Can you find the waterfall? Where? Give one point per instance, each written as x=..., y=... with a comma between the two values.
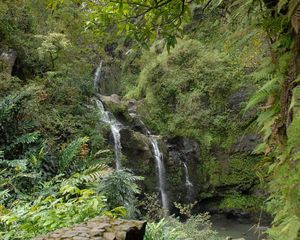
x=115, y=129
x=109, y=119
x=115, y=126
x=159, y=164
x=161, y=172
x=98, y=75
x=188, y=183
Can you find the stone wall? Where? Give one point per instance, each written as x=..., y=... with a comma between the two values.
x=100, y=228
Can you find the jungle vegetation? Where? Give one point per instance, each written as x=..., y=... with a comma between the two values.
x=55, y=160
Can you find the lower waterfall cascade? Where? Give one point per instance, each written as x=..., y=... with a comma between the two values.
x=161, y=172
x=188, y=182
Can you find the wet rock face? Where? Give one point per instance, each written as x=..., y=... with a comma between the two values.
x=8, y=58
x=139, y=157
x=178, y=151
x=235, y=100
x=183, y=149
x=136, y=146
x=118, y=108
x=100, y=228
x=247, y=143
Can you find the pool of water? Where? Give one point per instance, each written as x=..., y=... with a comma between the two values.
x=235, y=229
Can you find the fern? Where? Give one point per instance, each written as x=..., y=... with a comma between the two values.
x=90, y=175
x=10, y=105
x=120, y=187
x=70, y=152
x=17, y=164
x=270, y=88
x=95, y=173
x=25, y=139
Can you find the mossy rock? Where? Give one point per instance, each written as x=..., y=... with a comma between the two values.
x=239, y=201
x=237, y=173
x=117, y=107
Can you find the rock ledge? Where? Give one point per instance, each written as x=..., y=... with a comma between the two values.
x=100, y=228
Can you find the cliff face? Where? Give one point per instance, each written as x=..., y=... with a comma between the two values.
x=219, y=179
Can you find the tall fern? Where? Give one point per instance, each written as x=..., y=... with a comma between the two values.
x=68, y=158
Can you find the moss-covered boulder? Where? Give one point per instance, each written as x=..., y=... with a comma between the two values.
x=136, y=148
x=117, y=107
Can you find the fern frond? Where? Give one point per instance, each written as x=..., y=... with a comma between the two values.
x=70, y=152
x=266, y=120
x=28, y=138
x=293, y=5
x=25, y=139
x=281, y=4
x=92, y=174
x=20, y=164
x=11, y=105
x=4, y=195
x=95, y=173
x=270, y=88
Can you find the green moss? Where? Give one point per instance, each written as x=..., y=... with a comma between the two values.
x=238, y=201
x=238, y=172
x=175, y=176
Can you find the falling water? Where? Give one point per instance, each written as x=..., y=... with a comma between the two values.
x=161, y=172
x=115, y=128
x=109, y=119
x=98, y=75
x=188, y=183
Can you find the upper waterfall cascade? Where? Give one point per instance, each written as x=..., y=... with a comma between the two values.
x=109, y=119
x=115, y=127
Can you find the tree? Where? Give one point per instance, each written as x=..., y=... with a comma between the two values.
x=52, y=46
x=144, y=20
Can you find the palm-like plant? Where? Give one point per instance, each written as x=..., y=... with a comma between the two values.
x=120, y=187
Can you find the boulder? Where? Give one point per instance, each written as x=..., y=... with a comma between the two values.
x=136, y=146
x=112, y=99
x=103, y=228
x=118, y=108
x=8, y=57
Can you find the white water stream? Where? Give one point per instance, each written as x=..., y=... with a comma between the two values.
x=161, y=172
x=110, y=120
x=188, y=182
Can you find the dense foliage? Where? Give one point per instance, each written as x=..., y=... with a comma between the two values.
x=203, y=60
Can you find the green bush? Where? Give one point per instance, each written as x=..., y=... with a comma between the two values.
x=186, y=93
x=195, y=228
x=238, y=201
